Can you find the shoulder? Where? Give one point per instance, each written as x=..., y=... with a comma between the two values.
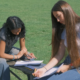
x=3, y=33
x=63, y=35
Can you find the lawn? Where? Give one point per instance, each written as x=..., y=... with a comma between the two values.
x=36, y=16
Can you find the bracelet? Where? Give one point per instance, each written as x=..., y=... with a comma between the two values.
x=71, y=65
x=45, y=68
x=13, y=57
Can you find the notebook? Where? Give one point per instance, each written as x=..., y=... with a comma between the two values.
x=24, y=63
x=49, y=72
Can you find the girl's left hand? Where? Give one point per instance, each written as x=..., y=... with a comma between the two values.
x=63, y=68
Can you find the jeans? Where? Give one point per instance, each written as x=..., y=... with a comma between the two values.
x=68, y=75
x=4, y=67
x=4, y=70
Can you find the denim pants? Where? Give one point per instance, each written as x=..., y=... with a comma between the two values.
x=68, y=75
x=4, y=70
x=4, y=67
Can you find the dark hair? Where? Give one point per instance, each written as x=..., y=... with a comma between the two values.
x=12, y=23
x=71, y=19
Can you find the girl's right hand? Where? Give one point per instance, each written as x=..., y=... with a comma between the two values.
x=20, y=54
x=39, y=72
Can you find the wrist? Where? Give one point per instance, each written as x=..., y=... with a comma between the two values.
x=71, y=65
x=22, y=51
x=45, y=69
x=13, y=57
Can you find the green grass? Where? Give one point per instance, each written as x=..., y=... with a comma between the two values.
x=36, y=16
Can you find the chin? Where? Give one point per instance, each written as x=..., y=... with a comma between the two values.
x=16, y=34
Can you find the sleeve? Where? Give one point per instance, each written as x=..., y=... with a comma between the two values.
x=78, y=30
x=22, y=35
x=63, y=35
x=67, y=60
x=3, y=35
x=78, y=34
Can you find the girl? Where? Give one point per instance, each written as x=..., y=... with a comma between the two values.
x=65, y=34
x=11, y=31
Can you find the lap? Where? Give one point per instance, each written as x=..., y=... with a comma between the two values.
x=69, y=75
x=2, y=60
x=14, y=51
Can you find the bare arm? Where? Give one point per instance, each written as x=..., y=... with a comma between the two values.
x=53, y=61
x=57, y=57
x=5, y=55
x=22, y=45
x=24, y=50
x=2, y=51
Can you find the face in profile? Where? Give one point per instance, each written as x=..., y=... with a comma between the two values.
x=16, y=31
x=59, y=16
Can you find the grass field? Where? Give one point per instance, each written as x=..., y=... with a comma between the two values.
x=36, y=16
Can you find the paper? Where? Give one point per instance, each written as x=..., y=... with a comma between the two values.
x=35, y=66
x=49, y=72
x=23, y=63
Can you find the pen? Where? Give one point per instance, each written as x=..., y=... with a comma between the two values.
x=34, y=71
x=28, y=55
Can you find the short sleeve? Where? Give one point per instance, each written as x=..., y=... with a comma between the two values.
x=3, y=35
x=63, y=35
x=22, y=35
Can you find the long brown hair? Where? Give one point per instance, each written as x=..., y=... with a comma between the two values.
x=71, y=19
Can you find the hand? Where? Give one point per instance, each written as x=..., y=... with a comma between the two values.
x=63, y=68
x=30, y=56
x=39, y=72
x=20, y=54
x=24, y=50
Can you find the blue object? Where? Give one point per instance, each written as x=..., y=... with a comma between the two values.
x=69, y=75
x=4, y=70
x=13, y=57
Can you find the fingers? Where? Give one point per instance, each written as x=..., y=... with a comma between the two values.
x=29, y=56
x=58, y=71
x=33, y=56
x=36, y=74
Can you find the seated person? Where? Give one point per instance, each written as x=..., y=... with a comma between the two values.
x=12, y=31
x=65, y=35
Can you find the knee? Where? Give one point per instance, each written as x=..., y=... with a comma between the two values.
x=1, y=66
x=3, y=62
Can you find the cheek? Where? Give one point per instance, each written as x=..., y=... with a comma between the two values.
x=62, y=18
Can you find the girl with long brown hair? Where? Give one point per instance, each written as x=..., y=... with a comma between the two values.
x=65, y=34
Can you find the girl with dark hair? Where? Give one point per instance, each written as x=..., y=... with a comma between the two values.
x=12, y=31
x=65, y=34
